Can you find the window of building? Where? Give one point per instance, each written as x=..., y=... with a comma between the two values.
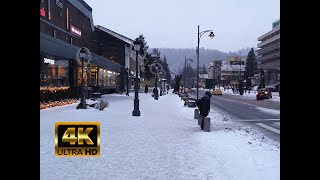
x=107, y=78
x=54, y=73
x=67, y=17
x=49, y=9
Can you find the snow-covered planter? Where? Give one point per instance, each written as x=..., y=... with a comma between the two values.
x=101, y=104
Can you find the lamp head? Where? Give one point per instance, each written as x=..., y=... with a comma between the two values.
x=211, y=35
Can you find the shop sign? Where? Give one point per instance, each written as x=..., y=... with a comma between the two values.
x=49, y=61
x=42, y=12
x=59, y=3
x=75, y=31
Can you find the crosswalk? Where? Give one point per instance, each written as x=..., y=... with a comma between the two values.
x=269, y=124
x=268, y=127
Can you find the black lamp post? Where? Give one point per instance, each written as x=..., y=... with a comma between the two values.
x=127, y=81
x=83, y=100
x=136, y=111
x=185, y=68
x=156, y=84
x=211, y=35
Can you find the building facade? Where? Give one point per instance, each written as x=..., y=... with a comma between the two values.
x=214, y=72
x=232, y=70
x=65, y=27
x=268, y=54
x=119, y=49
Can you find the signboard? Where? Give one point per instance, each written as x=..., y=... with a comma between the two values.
x=49, y=61
x=276, y=24
x=42, y=12
x=58, y=3
x=75, y=31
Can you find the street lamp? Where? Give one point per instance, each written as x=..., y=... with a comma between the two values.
x=136, y=111
x=127, y=80
x=82, y=55
x=185, y=68
x=211, y=35
x=240, y=81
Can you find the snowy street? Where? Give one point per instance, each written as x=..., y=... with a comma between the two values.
x=165, y=142
x=263, y=115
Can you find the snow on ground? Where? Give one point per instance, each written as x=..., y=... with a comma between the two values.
x=270, y=111
x=165, y=142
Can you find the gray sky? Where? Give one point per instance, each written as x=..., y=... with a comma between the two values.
x=173, y=23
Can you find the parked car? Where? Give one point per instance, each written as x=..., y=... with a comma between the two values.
x=263, y=93
x=217, y=92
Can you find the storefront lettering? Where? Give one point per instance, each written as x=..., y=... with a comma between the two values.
x=50, y=61
x=75, y=31
x=59, y=3
x=42, y=12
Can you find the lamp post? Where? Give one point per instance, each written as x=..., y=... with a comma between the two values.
x=211, y=35
x=136, y=111
x=156, y=84
x=127, y=81
x=185, y=68
x=83, y=101
x=240, y=81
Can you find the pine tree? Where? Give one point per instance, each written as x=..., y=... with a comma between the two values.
x=204, y=70
x=250, y=66
x=166, y=69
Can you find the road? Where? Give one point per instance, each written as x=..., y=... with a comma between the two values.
x=261, y=115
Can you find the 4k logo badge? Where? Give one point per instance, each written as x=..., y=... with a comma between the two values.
x=77, y=139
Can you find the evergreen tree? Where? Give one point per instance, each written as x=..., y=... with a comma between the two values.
x=204, y=70
x=144, y=47
x=166, y=69
x=190, y=74
x=251, y=66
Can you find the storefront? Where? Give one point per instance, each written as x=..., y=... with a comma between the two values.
x=61, y=75
x=54, y=78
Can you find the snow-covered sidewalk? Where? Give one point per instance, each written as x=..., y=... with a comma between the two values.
x=165, y=142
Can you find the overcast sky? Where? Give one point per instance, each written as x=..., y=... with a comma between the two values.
x=173, y=23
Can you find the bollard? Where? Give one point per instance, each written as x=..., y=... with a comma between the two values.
x=206, y=126
x=196, y=114
x=200, y=118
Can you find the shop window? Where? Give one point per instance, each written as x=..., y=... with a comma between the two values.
x=67, y=17
x=54, y=72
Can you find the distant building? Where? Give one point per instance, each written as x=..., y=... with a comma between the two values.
x=214, y=71
x=268, y=54
x=230, y=70
x=236, y=60
x=202, y=80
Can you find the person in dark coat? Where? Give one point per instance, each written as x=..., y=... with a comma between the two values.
x=146, y=88
x=204, y=106
x=155, y=92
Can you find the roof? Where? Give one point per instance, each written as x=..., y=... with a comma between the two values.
x=114, y=34
x=226, y=67
x=203, y=76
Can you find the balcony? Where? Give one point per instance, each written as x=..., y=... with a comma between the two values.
x=268, y=49
x=268, y=41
